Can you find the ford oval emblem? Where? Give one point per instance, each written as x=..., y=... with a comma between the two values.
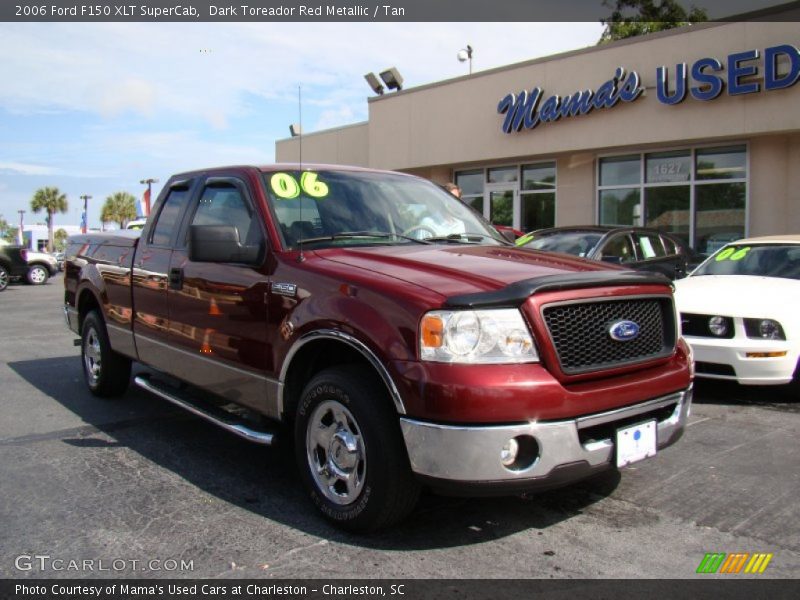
x=624, y=331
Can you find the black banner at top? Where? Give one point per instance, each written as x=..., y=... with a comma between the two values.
x=361, y=10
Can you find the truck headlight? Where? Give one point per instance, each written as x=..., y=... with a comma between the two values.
x=476, y=337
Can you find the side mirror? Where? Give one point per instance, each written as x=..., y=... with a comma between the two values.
x=220, y=243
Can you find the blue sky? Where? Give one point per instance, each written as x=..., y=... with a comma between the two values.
x=95, y=108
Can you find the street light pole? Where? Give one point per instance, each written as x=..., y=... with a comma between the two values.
x=85, y=220
x=20, y=237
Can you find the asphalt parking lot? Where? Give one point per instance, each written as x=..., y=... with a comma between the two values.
x=136, y=480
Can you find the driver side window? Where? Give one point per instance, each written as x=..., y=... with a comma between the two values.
x=621, y=246
x=224, y=205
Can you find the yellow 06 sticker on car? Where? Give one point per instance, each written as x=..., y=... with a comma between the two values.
x=287, y=187
x=733, y=254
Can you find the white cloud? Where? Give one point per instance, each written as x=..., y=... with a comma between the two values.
x=207, y=70
x=28, y=169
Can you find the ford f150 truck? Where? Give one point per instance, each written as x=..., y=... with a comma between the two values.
x=386, y=329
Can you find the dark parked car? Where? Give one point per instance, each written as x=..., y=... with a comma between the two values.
x=18, y=262
x=12, y=264
x=634, y=247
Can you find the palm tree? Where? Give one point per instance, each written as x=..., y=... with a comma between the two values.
x=50, y=200
x=119, y=207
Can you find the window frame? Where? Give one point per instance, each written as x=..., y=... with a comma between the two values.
x=693, y=182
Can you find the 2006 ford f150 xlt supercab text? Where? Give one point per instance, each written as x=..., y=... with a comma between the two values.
x=387, y=329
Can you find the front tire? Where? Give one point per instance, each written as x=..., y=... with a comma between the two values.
x=37, y=275
x=106, y=372
x=350, y=451
x=3, y=278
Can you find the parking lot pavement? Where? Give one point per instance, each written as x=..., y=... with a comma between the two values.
x=136, y=480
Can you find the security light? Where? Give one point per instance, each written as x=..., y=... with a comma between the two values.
x=374, y=83
x=392, y=78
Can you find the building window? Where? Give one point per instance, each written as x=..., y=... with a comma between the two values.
x=471, y=184
x=538, y=196
x=698, y=195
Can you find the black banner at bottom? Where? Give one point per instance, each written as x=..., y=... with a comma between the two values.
x=409, y=589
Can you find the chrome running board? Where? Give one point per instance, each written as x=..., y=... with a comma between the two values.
x=214, y=415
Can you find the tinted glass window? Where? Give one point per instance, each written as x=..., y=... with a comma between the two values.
x=650, y=246
x=667, y=208
x=538, y=211
x=620, y=170
x=578, y=243
x=620, y=207
x=722, y=163
x=224, y=205
x=539, y=177
x=719, y=216
x=670, y=246
x=470, y=182
x=502, y=174
x=621, y=246
x=668, y=167
x=171, y=212
x=774, y=260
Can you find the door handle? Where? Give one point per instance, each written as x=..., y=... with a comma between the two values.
x=176, y=278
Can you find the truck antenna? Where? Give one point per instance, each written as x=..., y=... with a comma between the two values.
x=300, y=256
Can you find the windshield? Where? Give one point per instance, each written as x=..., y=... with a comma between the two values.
x=578, y=243
x=772, y=260
x=346, y=208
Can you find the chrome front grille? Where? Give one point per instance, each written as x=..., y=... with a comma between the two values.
x=580, y=332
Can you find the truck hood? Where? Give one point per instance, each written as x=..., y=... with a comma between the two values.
x=459, y=269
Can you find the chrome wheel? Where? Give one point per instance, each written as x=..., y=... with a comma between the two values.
x=92, y=362
x=37, y=275
x=3, y=278
x=335, y=452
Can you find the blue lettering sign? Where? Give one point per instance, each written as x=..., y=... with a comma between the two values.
x=736, y=71
x=713, y=83
x=521, y=109
x=662, y=85
x=772, y=81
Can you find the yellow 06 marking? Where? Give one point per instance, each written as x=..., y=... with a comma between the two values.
x=285, y=186
x=313, y=186
x=733, y=254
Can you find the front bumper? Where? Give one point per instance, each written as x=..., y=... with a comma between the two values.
x=713, y=355
x=456, y=456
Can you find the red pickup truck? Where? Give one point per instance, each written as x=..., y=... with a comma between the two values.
x=386, y=330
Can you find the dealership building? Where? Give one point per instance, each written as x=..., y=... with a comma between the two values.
x=695, y=131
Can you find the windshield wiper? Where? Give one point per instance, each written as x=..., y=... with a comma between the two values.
x=349, y=235
x=460, y=238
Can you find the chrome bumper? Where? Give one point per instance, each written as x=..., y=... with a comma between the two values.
x=472, y=454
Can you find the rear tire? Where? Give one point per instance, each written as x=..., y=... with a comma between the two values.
x=106, y=372
x=3, y=278
x=37, y=275
x=350, y=451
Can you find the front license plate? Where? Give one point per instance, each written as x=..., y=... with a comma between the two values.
x=636, y=443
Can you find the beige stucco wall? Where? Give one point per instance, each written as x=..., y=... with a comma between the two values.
x=458, y=122
x=347, y=145
x=775, y=185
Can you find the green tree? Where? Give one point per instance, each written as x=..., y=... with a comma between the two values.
x=51, y=201
x=650, y=16
x=8, y=232
x=61, y=236
x=119, y=207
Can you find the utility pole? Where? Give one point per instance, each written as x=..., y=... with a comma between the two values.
x=85, y=219
x=149, y=182
x=20, y=237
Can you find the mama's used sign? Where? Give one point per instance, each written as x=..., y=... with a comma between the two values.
x=528, y=109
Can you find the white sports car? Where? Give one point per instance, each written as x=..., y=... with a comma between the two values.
x=740, y=311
